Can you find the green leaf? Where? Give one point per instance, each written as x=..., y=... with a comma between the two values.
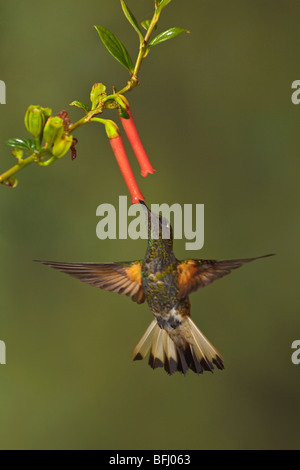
x=115, y=47
x=166, y=35
x=18, y=153
x=146, y=24
x=131, y=18
x=24, y=144
x=162, y=4
x=81, y=105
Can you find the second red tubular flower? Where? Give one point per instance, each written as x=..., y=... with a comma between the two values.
x=136, y=144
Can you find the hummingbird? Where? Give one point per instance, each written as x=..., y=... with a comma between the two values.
x=165, y=283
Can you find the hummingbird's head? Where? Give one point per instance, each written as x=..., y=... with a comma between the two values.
x=159, y=228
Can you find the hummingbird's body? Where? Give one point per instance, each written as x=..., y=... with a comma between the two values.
x=159, y=272
x=174, y=341
x=160, y=283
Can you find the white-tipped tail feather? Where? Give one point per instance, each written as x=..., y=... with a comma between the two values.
x=143, y=346
x=197, y=354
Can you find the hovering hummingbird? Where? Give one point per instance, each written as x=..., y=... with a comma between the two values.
x=174, y=341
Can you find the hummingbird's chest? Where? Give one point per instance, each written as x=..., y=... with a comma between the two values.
x=160, y=284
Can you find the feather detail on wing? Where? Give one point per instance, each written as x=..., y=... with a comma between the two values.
x=123, y=278
x=196, y=273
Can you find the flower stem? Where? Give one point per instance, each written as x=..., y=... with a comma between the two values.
x=133, y=82
x=21, y=164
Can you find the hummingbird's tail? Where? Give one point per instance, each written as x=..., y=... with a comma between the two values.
x=195, y=352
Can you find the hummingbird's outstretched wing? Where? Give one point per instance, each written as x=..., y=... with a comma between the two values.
x=123, y=278
x=196, y=273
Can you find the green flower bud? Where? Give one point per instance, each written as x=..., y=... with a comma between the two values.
x=53, y=130
x=62, y=145
x=47, y=112
x=35, y=119
x=112, y=129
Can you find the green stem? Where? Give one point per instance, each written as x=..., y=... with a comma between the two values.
x=111, y=127
x=22, y=163
x=81, y=121
x=47, y=162
x=103, y=121
x=133, y=82
x=38, y=141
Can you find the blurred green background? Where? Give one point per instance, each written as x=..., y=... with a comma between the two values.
x=215, y=114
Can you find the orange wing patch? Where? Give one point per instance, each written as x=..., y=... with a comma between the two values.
x=186, y=272
x=134, y=273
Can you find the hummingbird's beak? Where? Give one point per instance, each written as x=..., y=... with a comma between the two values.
x=146, y=208
x=148, y=216
x=143, y=204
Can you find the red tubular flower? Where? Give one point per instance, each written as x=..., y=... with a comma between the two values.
x=136, y=144
x=120, y=154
